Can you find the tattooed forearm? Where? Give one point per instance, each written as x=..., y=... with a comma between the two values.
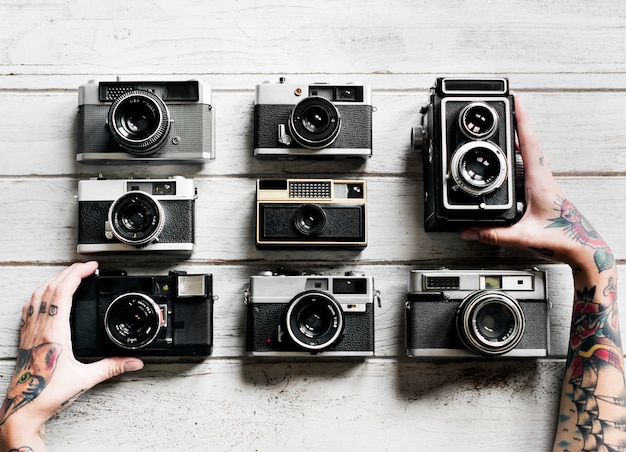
x=577, y=226
x=594, y=357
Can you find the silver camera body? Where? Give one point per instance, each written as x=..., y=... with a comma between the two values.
x=316, y=120
x=136, y=215
x=477, y=313
x=145, y=122
x=310, y=315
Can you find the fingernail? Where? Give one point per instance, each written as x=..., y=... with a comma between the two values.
x=132, y=366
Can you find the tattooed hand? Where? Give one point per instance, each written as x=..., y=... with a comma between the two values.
x=593, y=401
x=551, y=226
x=47, y=377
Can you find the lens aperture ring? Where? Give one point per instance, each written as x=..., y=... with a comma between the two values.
x=132, y=320
x=315, y=122
x=314, y=320
x=136, y=218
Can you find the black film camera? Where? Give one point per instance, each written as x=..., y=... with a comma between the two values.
x=311, y=213
x=145, y=122
x=467, y=313
x=120, y=315
x=136, y=215
x=472, y=173
x=312, y=121
x=310, y=315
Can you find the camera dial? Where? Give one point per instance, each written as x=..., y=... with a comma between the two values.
x=315, y=122
x=139, y=122
x=478, y=121
x=490, y=322
x=136, y=218
x=479, y=167
x=309, y=219
x=314, y=320
x=132, y=320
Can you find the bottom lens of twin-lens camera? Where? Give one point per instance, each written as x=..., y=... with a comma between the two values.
x=479, y=167
x=136, y=218
x=314, y=320
x=132, y=320
x=490, y=322
x=309, y=219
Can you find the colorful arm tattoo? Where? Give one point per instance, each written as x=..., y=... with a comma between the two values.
x=577, y=226
x=33, y=372
x=594, y=351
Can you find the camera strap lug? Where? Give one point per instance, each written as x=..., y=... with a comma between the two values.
x=377, y=298
x=246, y=296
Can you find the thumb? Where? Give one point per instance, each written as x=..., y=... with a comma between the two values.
x=503, y=236
x=110, y=367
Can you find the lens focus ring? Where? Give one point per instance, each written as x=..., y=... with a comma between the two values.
x=314, y=320
x=315, y=123
x=132, y=320
x=136, y=218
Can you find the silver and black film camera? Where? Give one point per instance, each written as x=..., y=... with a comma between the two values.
x=311, y=213
x=312, y=121
x=467, y=313
x=136, y=215
x=310, y=315
x=120, y=315
x=143, y=122
x=472, y=173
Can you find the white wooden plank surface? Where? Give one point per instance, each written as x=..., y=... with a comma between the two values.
x=566, y=58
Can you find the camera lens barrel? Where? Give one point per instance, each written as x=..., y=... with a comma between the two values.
x=490, y=322
x=136, y=218
x=479, y=167
x=315, y=122
x=314, y=320
x=139, y=122
x=478, y=120
x=132, y=320
x=309, y=219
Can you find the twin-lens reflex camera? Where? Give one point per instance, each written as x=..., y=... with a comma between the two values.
x=477, y=313
x=136, y=215
x=312, y=121
x=310, y=315
x=145, y=122
x=473, y=174
x=311, y=213
x=120, y=315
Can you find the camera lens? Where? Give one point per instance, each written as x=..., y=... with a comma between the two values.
x=315, y=123
x=479, y=167
x=132, y=320
x=314, y=320
x=139, y=122
x=490, y=322
x=309, y=219
x=136, y=218
x=478, y=120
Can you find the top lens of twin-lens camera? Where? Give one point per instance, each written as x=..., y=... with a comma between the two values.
x=136, y=218
x=315, y=122
x=132, y=320
x=139, y=122
x=314, y=320
x=479, y=167
x=490, y=322
x=309, y=219
x=478, y=120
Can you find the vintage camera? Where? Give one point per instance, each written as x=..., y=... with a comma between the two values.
x=120, y=315
x=310, y=315
x=467, y=313
x=136, y=215
x=311, y=213
x=473, y=175
x=145, y=122
x=312, y=121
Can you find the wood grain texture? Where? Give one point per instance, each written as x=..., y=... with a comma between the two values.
x=565, y=58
